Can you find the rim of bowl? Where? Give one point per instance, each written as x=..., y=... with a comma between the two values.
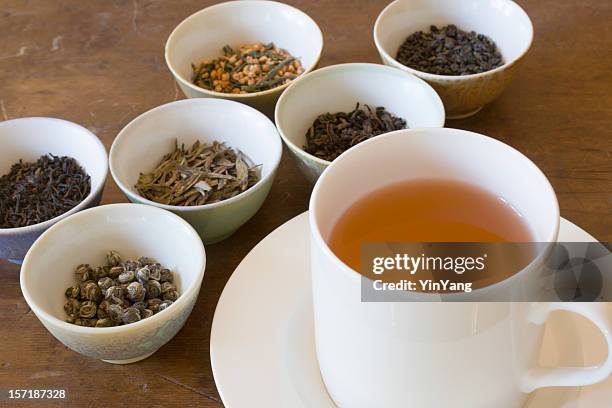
x=430, y=76
x=180, y=208
x=93, y=191
x=348, y=65
x=232, y=3
x=115, y=329
x=348, y=271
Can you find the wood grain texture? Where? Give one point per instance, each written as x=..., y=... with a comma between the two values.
x=100, y=63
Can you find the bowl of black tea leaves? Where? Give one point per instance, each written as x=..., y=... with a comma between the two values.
x=337, y=107
x=49, y=169
x=468, y=54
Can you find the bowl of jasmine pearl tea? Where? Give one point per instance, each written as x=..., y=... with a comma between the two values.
x=246, y=51
x=210, y=161
x=467, y=50
x=115, y=282
x=49, y=169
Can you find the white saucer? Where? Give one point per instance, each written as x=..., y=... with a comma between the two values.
x=262, y=346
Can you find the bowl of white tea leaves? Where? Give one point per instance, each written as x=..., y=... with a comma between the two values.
x=211, y=161
x=49, y=169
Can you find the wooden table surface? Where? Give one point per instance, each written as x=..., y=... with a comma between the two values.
x=100, y=63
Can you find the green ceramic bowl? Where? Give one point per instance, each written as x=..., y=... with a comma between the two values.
x=143, y=142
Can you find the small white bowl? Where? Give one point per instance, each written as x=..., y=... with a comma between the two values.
x=202, y=36
x=504, y=21
x=141, y=144
x=135, y=231
x=30, y=138
x=338, y=88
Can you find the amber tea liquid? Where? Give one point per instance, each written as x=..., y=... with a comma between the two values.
x=426, y=211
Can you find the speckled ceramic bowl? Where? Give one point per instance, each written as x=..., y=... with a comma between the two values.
x=203, y=35
x=133, y=230
x=140, y=146
x=502, y=20
x=30, y=138
x=338, y=88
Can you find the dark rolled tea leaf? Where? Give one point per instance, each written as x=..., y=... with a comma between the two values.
x=449, y=51
x=333, y=133
x=153, y=304
x=88, y=309
x=165, y=304
x=136, y=292
x=32, y=193
x=115, y=312
x=106, y=322
x=153, y=289
x=140, y=305
x=130, y=315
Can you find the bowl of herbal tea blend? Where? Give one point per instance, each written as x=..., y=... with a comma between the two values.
x=115, y=282
x=468, y=50
x=335, y=108
x=49, y=169
x=243, y=51
x=211, y=161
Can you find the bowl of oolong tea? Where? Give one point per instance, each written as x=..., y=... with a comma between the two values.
x=468, y=50
x=335, y=108
x=49, y=169
x=211, y=161
x=243, y=51
x=125, y=278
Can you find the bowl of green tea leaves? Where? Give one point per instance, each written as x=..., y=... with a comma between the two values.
x=49, y=169
x=246, y=51
x=211, y=161
x=198, y=175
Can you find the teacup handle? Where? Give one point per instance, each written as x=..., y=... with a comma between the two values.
x=599, y=314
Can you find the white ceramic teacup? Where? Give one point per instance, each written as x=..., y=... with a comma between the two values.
x=430, y=355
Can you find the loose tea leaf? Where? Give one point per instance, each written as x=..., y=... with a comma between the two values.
x=252, y=68
x=333, y=133
x=119, y=298
x=36, y=192
x=201, y=175
x=449, y=51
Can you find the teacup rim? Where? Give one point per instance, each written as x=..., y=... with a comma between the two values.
x=437, y=77
x=155, y=319
x=352, y=274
